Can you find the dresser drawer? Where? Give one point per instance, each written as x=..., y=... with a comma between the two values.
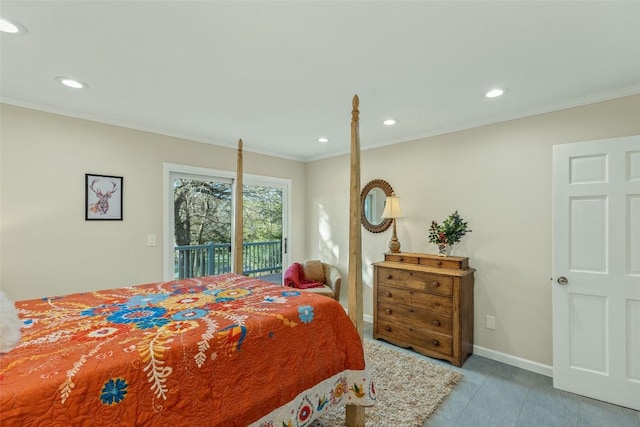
x=416, y=280
x=452, y=262
x=392, y=295
x=444, y=262
x=424, y=319
x=409, y=336
x=402, y=257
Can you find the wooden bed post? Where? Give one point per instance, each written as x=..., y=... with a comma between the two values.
x=355, y=232
x=238, y=240
x=355, y=414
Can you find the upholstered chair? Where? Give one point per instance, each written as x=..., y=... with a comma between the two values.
x=327, y=274
x=332, y=280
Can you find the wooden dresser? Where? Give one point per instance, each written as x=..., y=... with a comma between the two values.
x=425, y=302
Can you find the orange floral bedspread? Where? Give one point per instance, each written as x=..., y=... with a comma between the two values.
x=214, y=351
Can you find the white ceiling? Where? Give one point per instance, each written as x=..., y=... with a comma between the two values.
x=281, y=74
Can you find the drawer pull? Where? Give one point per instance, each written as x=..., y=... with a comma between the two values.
x=388, y=311
x=401, y=259
x=388, y=276
x=388, y=328
x=437, y=304
x=387, y=294
x=410, y=329
x=411, y=310
x=439, y=263
x=436, y=284
x=436, y=322
x=435, y=343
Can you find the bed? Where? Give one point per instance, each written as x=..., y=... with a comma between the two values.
x=224, y=350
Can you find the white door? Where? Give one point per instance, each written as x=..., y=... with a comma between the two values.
x=596, y=269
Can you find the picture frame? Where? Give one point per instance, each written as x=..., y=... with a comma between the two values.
x=103, y=197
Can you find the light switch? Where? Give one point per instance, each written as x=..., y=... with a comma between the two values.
x=490, y=322
x=151, y=239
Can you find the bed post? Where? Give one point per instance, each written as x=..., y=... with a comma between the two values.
x=355, y=414
x=237, y=240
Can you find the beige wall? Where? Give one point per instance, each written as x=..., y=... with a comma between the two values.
x=499, y=178
x=49, y=249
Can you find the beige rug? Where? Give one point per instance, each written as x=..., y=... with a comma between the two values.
x=409, y=388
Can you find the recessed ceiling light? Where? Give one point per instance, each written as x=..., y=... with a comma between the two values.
x=323, y=139
x=390, y=122
x=494, y=93
x=72, y=83
x=11, y=27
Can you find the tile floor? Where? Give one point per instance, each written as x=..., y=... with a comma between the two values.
x=493, y=394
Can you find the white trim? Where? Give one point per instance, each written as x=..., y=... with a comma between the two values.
x=529, y=112
x=142, y=128
x=167, y=246
x=516, y=361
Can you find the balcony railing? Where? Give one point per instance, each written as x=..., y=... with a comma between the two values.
x=215, y=258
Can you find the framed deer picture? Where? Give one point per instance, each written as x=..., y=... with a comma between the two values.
x=103, y=197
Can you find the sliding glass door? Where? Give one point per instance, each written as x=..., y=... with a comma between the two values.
x=199, y=216
x=201, y=225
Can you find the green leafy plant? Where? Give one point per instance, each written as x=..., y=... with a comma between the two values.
x=450, y=231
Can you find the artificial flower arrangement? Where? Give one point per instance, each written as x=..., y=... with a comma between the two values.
x=449, y=232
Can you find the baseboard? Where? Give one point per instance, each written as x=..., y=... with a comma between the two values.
x=518, y=362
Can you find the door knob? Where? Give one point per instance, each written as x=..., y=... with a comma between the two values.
x=562, y=280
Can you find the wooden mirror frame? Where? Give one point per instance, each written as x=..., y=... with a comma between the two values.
x=386, y=188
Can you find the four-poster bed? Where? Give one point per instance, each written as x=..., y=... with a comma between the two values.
x=220, y=350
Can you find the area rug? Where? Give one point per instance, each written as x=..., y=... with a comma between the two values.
x=409, y=388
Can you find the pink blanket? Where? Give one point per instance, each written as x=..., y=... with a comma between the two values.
x=294, y=277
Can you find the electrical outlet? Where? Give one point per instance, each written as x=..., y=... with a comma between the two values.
x=151, y=239
x=490, y=322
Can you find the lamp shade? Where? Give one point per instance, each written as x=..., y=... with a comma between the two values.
x=392, y=207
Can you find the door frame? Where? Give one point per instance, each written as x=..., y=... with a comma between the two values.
x=248, y=179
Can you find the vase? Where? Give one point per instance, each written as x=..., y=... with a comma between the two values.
x=443, y=249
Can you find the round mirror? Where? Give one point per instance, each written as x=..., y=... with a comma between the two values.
x=372, y=199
